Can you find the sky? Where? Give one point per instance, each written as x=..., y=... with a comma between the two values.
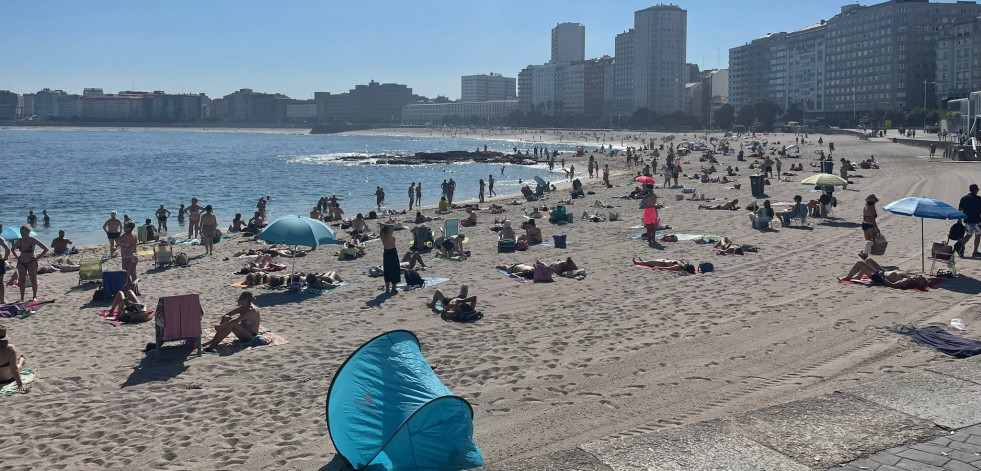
x=298, y=47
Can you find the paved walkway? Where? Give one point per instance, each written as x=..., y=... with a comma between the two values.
x=959, y=451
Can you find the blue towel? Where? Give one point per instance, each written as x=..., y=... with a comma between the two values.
x=113, y=282
x=427, y=283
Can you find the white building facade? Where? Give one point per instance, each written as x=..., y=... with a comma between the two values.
x=433, y=114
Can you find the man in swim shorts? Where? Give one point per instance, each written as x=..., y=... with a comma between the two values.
x=113, y=229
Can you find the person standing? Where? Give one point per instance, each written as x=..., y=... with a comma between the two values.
x=27, y=260
x=480, y=194
x=970, y=205
x=606, y=175
x=390, y=258
x=3, y=263
x=651, y=219
x=450, y=189
x=843, y=171
x=379, y=197
x=127, y=250
x=194, y=218
x=412, y=191
x=490, y=186
x=419, y=194
x=162, y=214
x=209, y=230
x=113, y=229
x=869, y=228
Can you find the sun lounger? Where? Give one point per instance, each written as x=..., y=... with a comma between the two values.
x=179, y=318
x=90, y=270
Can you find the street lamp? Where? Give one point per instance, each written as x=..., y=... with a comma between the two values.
x=925, y=82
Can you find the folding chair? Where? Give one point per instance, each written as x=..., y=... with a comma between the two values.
x=451, y=227
x=113, y=282
x=943, y=254
x=178, y=318
x=163, y=255
x=89, y=270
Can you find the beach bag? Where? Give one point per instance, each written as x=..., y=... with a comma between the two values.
x=180, y=259
x=942, y=251
x=705, y=267
x=412, y=278
x=559, y=241
x=879, y=244
x=542, y=273
x=99, y=294
x=957, y=231
x=376, y=271
x=521, y=245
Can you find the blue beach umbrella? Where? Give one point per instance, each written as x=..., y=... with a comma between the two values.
x=540, y=181
x=13, y=233
x=923, y=208
x=297, y=230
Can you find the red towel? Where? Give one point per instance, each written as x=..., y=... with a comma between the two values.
x=182, y=317
x=650, y=216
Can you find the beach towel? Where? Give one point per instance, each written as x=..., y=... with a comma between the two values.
x=231, y=344
x=650, y=216
x=519, y=279
x=455, y=258
x=867, y=282
x=942, y=341
x=110, y=318
x=670, y=270
x=241, y=284
x=314, y=291
x=427, y=282
x=186, y=311
x=24, y=309
x=27, y=376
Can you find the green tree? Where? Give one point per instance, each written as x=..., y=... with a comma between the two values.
x=767, y=112
x=747, y=115
x=724, y=117
x=794, y=113
x=641, y=118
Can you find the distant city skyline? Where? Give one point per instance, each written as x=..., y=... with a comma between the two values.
x=301, y=47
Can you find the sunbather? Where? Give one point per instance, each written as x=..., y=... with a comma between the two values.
x=533, y=235
x=447, y=247
x=412, y=259
x=125, y=304
x=262, y=263
x=563, y=266
x=595, y=217
x=461, y=303
x=534, y=214
x=421, y=219
x=730, y=206
x=676, y=265
x=329, y=280
x=898, y=279
x=10, y=362
x=518, y=269
x=245, y=326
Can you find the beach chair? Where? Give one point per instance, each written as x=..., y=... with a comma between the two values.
x=943, y=254
x=800, y=215
x=113, y=282
x=89, y=270
x=451, y=227
x=179, y=318
x=163, y=255
x=506, y=246
x=141, y=234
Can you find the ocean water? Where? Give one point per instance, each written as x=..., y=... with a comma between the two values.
x=80, y=176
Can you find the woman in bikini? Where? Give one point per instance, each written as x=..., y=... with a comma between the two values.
x=193, y=216
x=676, y=265
x=209, y=229
x=127, y=250
x=869, y=228
x=10, y=362
x=245, y=326
x=23, y=249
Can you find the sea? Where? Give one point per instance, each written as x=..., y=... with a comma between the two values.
x=80, y=176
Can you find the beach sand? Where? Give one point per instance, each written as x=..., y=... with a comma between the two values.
x=550, y=367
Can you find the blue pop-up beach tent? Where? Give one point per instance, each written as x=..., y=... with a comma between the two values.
x=387, y=410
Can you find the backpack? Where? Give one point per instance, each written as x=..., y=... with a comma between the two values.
x=180, y=259
x=705, y=267
x=412, y=278
x=957, y=231
x=99, y=294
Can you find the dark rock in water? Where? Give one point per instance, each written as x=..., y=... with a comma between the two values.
x=423, y=158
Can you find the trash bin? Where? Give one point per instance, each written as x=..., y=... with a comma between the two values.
x=827, y=166
x=756, y=185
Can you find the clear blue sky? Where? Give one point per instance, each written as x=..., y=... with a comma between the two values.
x=298, y=47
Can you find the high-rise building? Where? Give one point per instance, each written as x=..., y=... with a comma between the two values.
x=372, y=103
x=623, y=74
x=28, y=110
x=493, y=87
x=959, y=60
x=56, y=104
x=8, y=104
x=693, y=74
x=654, y=53
x=247, y=106
x=598, y=87
x=568, y=42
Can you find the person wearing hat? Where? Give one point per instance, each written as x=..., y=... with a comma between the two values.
x=507, y=232
x=10, y=362
x=869, y=228
x=970, y=205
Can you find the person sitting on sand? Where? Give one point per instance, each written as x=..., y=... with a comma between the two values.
x=256, y=223
x=447, y=247
x=411, y=260
x=316, y=214
x=898, y=279
x=471, y=219
x=730, y=206
x=359, y=227
x=238, y=225
x=507, y=232
x=60, y=245
x=126, y=306
x=674, y=265
x=245, y=326
x=595, y=217
x=463, y=302
x=534, y=214
x=763, y=215
x=600, y=204
x=421, y=219
x=10, y=362
x=444, y=205
x=532, y=235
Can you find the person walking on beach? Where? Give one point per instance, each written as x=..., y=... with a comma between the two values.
x=970, y=205
x=419, y=194
x=490, y=186
x=869, y=228
x=27, y=260
x=194, y=217
x=209, y=230
x=113, y=229
x=127, y=250
x=606, y=175
x=390, y=258
x=412, y=191
x=480, y=194
x=162, y=214
x=379, y=197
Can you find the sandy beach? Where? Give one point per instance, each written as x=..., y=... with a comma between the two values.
x=550, y=367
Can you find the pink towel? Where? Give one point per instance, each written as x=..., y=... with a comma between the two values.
x=650, y=216
x=182, y=317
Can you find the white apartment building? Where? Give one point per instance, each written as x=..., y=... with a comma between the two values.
x=568, y=43
x=433, y=114
x=493, y=87
x=301, y=110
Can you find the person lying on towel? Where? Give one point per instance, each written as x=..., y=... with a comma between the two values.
x=461, y=303
x=675, y=265
x=730, y=206
x=898, y=279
